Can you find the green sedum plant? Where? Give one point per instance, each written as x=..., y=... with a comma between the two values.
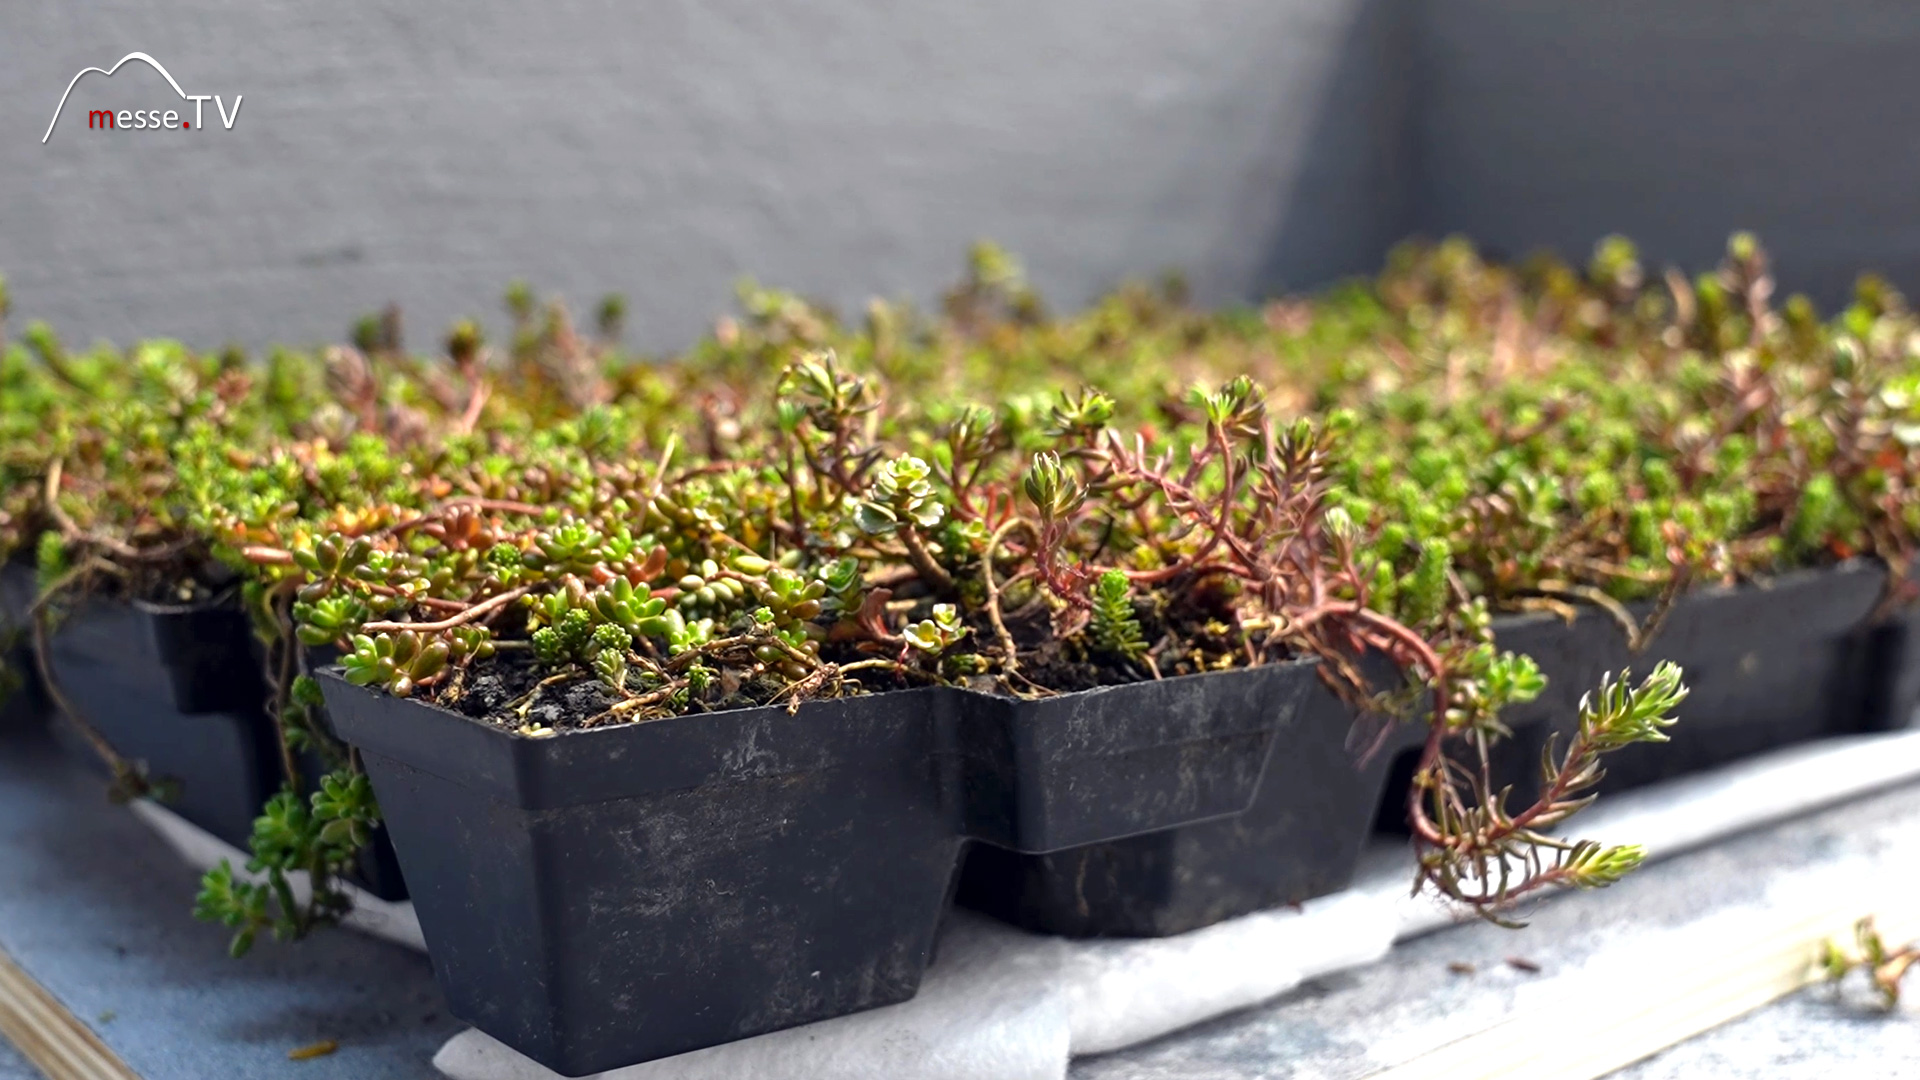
x=1884, y=966
x=318, y=838
x=542, y=534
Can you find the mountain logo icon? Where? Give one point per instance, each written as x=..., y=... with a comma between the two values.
x=145, y=119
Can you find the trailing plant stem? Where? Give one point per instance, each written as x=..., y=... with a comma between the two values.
x=484, y=607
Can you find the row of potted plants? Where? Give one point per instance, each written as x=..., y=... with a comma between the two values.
x=1789, y=445
x=694, y=679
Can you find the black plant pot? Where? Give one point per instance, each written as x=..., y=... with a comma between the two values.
x=1052, y=773
x=21, y=701
x=18, y=587
x=174, y=687
x=1304, y=831
x=1894, y=658
x=181, y=688
x=602, y=897
x=1891, y=657
x=1767, y=665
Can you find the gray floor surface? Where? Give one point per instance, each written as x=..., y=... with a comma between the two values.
x=97, y=910
x=13, y=1066
x=100, y=913
x=1351, y=1024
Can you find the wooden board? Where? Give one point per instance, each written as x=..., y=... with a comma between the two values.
x=49, y=1036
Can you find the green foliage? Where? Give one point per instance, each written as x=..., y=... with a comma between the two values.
x=345, y=811
x=634, y=612
x=570, y=547
x=608, y=654
x=939, y=632
x=1051, y=487
x=1884, y=965
x=1588, y=865
x=1619, y=715
x=801, y=507
x=397, y=661
x=1114, y=628
x=50, y=560
x=1814, y=519
x=299, y=849
x=1422, y=591
x=901, y=494
x=330, y=618
x=306, y=692
x=1081, y=416
x=1479, y=852
x=1484, y=682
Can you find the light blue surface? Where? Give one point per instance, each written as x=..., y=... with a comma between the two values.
x=15, y=1067
x=97, y=910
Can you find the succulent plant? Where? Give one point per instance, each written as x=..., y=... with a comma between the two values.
x=800, y=508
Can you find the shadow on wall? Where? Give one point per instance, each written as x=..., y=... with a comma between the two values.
x=1550, y=125
x=1353, y=197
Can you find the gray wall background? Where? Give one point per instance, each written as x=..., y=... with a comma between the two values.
x=1554, y=122
x=426, y=152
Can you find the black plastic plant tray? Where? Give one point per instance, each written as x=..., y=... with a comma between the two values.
x=17, y=591
x=1893, y=693
x=1768, y=665
x=1051, y=773
x=1309, y=820
x=174, y=687
x=181, y=688
x=1301, y=838
x=603, y=897
x=21, y=700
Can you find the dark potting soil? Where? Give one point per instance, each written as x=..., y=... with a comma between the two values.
x=490, y=695
x=1188, y=639
x=187, y=580
x=507, y=690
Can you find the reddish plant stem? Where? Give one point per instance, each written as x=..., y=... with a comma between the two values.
x=470, y=614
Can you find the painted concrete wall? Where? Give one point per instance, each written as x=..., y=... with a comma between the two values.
x=429, y=151
x=1552, y=123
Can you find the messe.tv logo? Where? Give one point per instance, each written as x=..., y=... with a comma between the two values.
x=147, y=119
